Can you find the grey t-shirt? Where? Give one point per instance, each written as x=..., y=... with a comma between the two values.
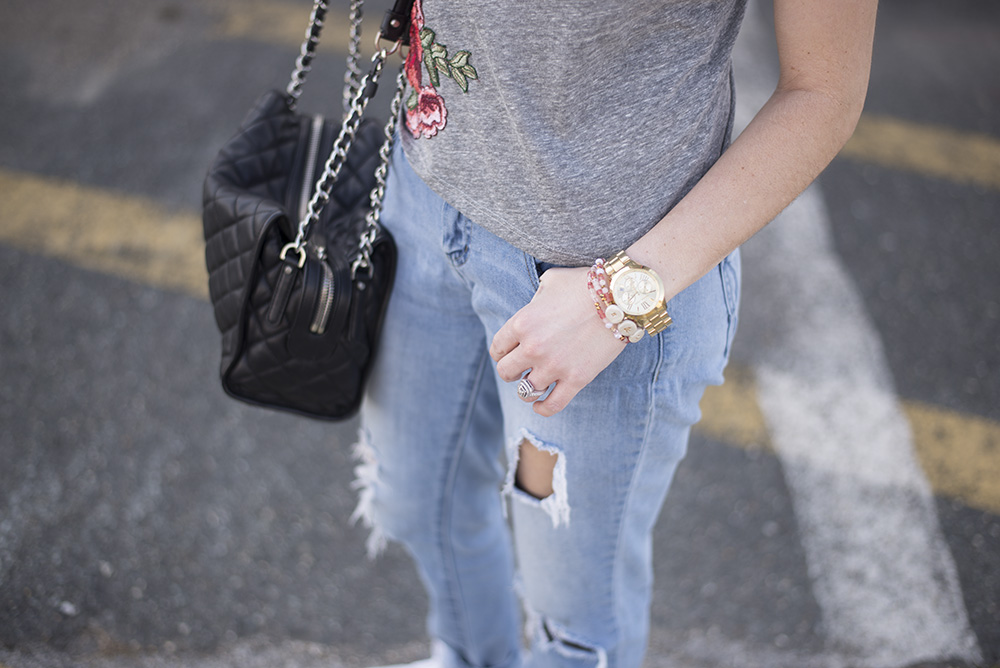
x=581, y=124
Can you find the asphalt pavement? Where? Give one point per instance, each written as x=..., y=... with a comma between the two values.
x=840, y=505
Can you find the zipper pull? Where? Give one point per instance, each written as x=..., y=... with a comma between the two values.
x=282, y=291
x=324, y=303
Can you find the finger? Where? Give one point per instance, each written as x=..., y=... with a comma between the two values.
x=503, y=342
x=512, y=365
x=557, y=400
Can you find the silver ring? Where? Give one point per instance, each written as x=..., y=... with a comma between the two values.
x=527, y=391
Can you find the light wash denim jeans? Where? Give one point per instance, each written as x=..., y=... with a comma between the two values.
x=435, y=421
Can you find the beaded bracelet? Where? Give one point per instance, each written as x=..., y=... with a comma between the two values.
x=593, y=285
x=610, y=313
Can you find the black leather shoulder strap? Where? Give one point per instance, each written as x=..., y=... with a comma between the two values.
x=396, y=24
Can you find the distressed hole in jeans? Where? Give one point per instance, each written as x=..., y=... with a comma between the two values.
x=534, y=470
x=365, y=481
x=537, y=476
x=562, y=642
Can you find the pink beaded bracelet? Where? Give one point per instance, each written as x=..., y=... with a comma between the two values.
x=611, y=314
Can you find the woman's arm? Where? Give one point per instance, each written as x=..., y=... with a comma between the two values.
x=824, y=50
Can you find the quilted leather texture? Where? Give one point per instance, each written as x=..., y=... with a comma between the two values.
x=250, y=211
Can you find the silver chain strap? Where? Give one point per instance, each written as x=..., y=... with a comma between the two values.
x=357, y=95
x=363, y=260
x=352, y=77
x=303, y=64
x=338, y=154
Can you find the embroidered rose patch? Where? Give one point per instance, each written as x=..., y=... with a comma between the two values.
x=425, y=109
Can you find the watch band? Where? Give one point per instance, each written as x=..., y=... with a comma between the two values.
x=656, y=320
x=619, y=261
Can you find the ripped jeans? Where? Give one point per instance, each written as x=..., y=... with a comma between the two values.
x=435, y=421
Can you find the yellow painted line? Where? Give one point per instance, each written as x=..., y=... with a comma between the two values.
x=285, y=25
x=127, y=236
x=138, y=239
x=730, y=413
x=965, y=157
x=960, y=453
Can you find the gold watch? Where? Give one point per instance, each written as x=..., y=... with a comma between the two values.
x=639, y=292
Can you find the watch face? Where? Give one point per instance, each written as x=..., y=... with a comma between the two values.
x=636, y=291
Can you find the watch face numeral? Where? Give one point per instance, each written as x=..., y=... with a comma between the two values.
x=636, y=292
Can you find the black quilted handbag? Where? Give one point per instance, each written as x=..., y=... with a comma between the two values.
x=300, y=270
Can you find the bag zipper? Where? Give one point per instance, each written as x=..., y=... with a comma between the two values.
x=325, y=304
x=315, y=135
x=326, y=291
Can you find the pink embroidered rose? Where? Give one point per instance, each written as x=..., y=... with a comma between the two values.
x=428, y=116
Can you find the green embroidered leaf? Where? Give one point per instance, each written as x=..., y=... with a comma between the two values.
x=411, y=102
x=426, y=38
x=431, y=69
x=436, y=61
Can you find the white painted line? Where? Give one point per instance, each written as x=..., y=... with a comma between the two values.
x=882, y=573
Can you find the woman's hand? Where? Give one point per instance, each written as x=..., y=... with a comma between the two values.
x=559, y=336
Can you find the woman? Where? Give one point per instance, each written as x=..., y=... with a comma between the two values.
x=541, y=137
